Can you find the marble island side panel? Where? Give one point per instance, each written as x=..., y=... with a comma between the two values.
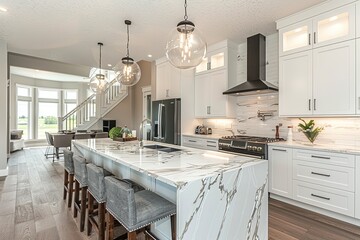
x=218, y=196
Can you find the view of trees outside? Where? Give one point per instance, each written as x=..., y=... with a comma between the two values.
x=47, y=118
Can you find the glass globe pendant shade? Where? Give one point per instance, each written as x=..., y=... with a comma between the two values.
x=128, y=72
x=98, y=83
x=186, y=46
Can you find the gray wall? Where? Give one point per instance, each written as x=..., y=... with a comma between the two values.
x=129, y=111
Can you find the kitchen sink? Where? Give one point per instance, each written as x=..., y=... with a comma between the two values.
x=162, y=148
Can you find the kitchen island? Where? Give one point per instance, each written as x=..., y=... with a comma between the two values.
x=218, y=195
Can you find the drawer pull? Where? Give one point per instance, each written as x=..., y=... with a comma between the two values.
x=211, y=146
x=192, y=141
x=321, y=174
x=211, y=141
x=281, y=150
x=314, y=156
x=314, y=195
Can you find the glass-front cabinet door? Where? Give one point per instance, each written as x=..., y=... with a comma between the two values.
x=334, y=26
x=203, y=66
x=213, y=60
x=295, y=38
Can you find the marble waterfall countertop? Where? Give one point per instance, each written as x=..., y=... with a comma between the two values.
x=175, y=168
x=330, y=147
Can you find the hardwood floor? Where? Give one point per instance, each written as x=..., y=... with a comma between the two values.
x=31, y=207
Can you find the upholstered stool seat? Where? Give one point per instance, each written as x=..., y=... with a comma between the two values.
x=68, y=175
x=96, y=192
x=81, y=185
x=135, y=210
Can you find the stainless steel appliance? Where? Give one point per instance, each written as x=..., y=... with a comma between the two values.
x=166, y=121
x=201, y=129
x=247, y=145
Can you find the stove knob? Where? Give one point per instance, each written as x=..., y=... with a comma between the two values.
x=259, y=149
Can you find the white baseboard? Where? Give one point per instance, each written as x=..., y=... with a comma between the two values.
x=3, y=173
x=317, y=210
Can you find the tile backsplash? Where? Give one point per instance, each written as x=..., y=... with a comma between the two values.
x=341, y=131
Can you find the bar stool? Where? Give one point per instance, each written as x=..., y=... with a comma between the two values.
x=96, y=192
x=68, y=175
x=81, y=185
x=135, y=210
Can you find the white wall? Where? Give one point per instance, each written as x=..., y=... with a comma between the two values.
x=3, y=109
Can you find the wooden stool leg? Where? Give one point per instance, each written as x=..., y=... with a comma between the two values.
x=110, y=227
x=101, y=211
x=173, y=227
x=90, y=212
x=132, y=235
x=76, y=197
x=66, y=182
x=70, y=189
x=83, y=208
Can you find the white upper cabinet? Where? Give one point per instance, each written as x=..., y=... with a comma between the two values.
x=357, y=19
x=295, y=38
x=295, y=89
x=331, y=27
x=358, y=76
x=334, y=79
x=168, y=79
x=213, y=76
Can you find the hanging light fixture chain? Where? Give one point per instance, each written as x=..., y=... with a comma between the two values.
x=100, y=57
x=185, y=6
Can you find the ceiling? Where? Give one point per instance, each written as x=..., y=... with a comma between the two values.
x=68, y=30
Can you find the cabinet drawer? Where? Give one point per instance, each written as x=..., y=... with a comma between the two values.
x=211, y=145
x=328, y=198
x=342, y=178
x=337, y=159
x=193, y=142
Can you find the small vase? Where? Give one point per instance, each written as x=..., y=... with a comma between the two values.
x=311, y=136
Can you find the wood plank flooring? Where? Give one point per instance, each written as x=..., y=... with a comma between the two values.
x=31, y=207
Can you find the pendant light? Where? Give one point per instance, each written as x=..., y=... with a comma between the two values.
x=186, y=47
x=128, y=72
x=99, y=83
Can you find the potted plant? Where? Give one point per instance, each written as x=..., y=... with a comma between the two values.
x=115, y=132
x=309, y=129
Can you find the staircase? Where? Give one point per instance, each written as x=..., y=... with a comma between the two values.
x=94, y=108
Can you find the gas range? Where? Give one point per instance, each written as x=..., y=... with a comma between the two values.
x=248, y=145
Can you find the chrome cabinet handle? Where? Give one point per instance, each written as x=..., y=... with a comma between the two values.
x=309, y=104
x=314, y=37
x=211, y=146
x=314, y=104
x=167, y=93
x=280, y=150
x=209, y=109
x=192, y=141
x=211, y=141
x=320, y=174
x=309, y=38
x=318, y=196
x=321, y=157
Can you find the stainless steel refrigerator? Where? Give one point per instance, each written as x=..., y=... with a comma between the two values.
x=166, y=121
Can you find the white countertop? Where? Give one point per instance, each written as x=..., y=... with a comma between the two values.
x=205, y=136
x=353, y=149
x=175, y=168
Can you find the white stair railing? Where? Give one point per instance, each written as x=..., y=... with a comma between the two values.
x=89, y=108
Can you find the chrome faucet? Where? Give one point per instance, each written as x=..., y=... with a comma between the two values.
x=141, y=144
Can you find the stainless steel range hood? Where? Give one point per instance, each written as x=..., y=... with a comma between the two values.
x=256, y=70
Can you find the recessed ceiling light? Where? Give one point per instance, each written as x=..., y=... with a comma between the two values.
x=109, y=65
x=149, y=55
x=2, y=9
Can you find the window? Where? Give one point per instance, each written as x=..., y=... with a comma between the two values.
x=38, y=109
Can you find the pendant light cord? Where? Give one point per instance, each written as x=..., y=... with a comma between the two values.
x=128, y=40
x=100, y=58
x=185, y=6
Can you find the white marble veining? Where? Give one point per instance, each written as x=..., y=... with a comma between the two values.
x=218, y=196
x=175, y=168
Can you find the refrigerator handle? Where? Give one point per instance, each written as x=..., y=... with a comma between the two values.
x=176, y=131
x=162, y=122
x=159, y=120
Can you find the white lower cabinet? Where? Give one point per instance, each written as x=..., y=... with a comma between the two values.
x=324, y=197
x=280, y=171
x=202, y=143
x=326, y=180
